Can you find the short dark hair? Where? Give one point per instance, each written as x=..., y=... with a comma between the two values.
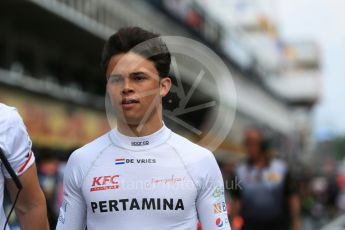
x=134, y=39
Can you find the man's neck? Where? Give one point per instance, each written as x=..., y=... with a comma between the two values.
x=261, y=162
x=139, y=130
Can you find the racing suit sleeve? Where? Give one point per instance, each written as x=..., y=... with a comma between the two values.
x=211, y=206
x=73, y=209
x=16, y=144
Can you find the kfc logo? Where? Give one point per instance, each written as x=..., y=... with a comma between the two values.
x=104, y=183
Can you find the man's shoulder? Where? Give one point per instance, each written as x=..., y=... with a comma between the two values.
x=275, y=164
x=242, y=167
x=4, y=107
x=91, y=149
x=188, y=149
x=8, y=114
x=278, y=165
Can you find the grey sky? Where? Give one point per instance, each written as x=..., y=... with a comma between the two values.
x=322, y=21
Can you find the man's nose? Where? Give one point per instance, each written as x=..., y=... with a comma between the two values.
x=127, y=87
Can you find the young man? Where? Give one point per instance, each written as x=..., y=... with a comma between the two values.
x=141, y=175
x=16, y=147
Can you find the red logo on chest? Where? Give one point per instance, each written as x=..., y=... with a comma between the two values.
x=104, y=183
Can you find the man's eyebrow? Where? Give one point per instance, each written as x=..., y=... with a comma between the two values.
x=139, y=73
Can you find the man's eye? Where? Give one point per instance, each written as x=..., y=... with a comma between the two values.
x=115, y=79
x=139, y=78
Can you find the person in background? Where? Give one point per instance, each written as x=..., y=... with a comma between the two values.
x=267, y=197
x=48, y=175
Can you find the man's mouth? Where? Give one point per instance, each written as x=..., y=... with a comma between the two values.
x=128, y=101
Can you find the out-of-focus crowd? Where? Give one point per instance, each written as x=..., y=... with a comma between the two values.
x=265, y=193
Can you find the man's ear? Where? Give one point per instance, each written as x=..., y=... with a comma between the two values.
x=165, y=85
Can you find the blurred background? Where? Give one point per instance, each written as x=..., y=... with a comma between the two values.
x=287, y=63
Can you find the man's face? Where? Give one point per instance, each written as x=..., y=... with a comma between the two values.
x=252, y=143
x=135, y=88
